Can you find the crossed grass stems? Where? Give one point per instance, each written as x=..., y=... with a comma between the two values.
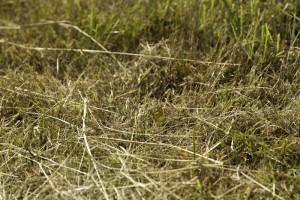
x=83, y=131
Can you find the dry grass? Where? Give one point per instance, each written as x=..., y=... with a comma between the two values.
x=144, y=100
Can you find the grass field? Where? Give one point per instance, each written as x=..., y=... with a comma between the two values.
x=149, y=99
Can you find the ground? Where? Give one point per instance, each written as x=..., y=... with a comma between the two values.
x=153, y=99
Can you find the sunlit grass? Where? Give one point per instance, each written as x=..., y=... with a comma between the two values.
x=149, y=99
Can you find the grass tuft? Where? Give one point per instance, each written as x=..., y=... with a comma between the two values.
x=149, y=99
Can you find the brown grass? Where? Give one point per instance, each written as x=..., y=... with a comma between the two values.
x=148, y=107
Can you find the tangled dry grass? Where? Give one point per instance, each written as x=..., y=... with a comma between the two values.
x=151, y=110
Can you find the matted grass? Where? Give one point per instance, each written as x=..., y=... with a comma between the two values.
x=149, y=99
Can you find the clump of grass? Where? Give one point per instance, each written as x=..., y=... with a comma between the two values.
x=149, y=99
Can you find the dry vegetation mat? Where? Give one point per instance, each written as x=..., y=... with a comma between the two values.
x=147, y=99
